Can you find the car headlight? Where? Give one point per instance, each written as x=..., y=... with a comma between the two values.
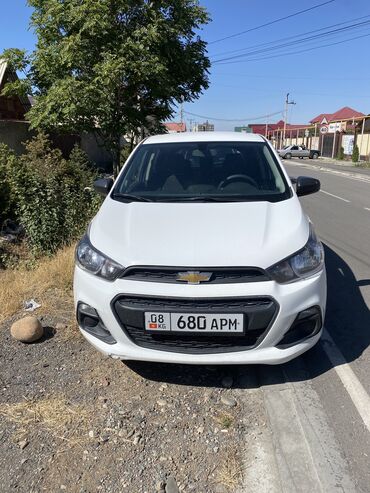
x=304, y=263
x=95, y=262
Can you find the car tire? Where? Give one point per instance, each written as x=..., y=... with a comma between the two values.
x=288, y=156
x=315, y=155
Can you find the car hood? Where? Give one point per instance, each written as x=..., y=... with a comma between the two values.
x=255, y=234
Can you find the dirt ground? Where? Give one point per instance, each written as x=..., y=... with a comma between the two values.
x=73, y=420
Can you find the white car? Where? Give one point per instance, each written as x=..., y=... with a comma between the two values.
x=201, y=253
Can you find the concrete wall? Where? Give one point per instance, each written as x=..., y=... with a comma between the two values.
x=14, y=133
x=363, y=142
x=92, y=145
x=311, y=142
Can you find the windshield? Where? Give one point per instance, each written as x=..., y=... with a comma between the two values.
x=205, y=171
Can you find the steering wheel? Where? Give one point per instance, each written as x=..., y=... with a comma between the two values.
x=233, y=178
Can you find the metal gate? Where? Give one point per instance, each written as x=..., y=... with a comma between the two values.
x=328, y=140
x=327, y=145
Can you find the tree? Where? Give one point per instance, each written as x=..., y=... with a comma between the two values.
x=112, y=66
x=355, y=154
x=340, y=154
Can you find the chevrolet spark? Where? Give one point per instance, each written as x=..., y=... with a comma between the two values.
x=201, y=253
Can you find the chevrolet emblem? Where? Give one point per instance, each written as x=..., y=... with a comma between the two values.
x=194, y=277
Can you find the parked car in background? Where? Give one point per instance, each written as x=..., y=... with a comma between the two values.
x=288, y=152
x=201, y=253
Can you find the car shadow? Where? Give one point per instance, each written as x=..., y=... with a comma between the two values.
x=347, y=315
x=347, y=321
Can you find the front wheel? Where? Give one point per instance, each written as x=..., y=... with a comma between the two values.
x=288, y=156
x=315, y=155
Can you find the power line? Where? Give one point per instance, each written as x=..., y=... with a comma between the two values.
x=230, y=52
x=295, y=52
x=234, y=119
x=271, y=22
x=315, y=37
x=257, y=76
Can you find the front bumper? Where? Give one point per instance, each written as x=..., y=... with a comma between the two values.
x=290, y=300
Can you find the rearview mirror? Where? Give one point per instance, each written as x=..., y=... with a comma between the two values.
x=306, y=185
x=103, y=186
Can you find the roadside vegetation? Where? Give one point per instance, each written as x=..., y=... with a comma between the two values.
x=49, y=195
x=46, y=203
x=49, y=281
x=125, y=65
x=355, y=154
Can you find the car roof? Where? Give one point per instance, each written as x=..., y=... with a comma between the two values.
x=204, y=137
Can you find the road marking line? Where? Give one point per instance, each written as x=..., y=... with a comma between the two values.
x=336, y=196
x=367, y=208
x=351, y=383
x=345, y=174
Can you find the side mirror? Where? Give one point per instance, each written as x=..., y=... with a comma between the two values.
x=103, y=186
x=306, y=185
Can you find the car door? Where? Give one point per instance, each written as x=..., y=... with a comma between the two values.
x=303, y=152
x=294, y=150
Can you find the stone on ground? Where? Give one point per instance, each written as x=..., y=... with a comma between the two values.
x=27, y=329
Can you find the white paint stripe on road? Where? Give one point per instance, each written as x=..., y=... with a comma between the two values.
x=345, y=174
x=351, y=383
x=367, y=208
x=336, y=196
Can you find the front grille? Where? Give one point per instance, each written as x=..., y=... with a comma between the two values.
x=220, y=275
x=259, y=314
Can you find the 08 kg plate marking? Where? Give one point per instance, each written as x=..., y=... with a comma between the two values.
x=228, y=323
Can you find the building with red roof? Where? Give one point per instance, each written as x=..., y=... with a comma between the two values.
x=344, y=113
x=267, y=128
x=173, y=127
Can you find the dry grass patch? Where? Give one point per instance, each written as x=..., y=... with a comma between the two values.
x=53, y=414
x=225, y=420
x=230, y=471
x=50, y=284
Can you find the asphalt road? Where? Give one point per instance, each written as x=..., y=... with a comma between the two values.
x=337, y=370
x=317, y=434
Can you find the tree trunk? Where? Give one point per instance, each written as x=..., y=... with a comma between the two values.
x=117, y=161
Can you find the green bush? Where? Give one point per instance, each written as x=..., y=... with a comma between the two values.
x=356, y=154
x=340, y=154
x=52, y=202
x=7, y=158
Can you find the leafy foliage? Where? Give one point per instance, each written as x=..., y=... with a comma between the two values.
x=49, y=194
x=114, y=67
x=7, y=159
x=356, y=154
x=340, y=154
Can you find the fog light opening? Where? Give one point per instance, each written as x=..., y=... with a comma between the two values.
x=89, y=321
x=307, y=324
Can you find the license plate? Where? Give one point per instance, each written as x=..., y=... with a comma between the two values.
x=216, y=323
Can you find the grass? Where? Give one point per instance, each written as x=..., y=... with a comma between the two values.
x=362, y=164
x=225, y=420
x=229, y=471
x=49, y=283
x=53, y=414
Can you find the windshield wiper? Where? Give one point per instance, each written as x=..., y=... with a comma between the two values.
x=205, y=198
x=131, y=198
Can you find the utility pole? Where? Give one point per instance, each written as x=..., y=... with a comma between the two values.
x=182, y=110
x=287, y=102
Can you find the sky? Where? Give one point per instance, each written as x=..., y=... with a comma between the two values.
x=319, y=81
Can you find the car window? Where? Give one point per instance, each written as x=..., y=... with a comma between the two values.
x=295, y=148
x=213, y=170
